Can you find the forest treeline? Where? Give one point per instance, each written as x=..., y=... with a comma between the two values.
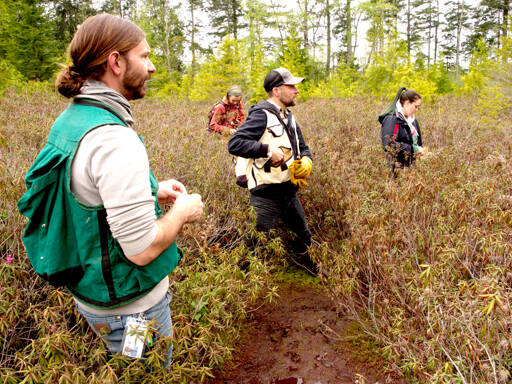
x=199, y=48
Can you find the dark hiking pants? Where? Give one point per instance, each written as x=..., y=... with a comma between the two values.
x=286, y=207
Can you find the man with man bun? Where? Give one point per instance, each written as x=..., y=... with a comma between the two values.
x=106, y=239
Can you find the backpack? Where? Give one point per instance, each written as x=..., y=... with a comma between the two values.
x=391, y=109
x=210, y=115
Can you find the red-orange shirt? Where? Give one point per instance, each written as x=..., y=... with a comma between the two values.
x=227, y=116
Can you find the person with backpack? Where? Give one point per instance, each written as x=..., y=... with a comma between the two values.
x=400, y=131
x=95, y=223
x=227, y=115
x=279, y=160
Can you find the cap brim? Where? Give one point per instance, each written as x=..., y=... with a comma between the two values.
x=294, y=81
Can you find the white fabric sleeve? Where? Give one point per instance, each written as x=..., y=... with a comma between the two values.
x=111, y=167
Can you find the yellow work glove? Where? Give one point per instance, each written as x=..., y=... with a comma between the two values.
x=300, y=182
x=303, y=167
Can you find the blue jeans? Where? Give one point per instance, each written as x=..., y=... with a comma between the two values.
x=111, y=328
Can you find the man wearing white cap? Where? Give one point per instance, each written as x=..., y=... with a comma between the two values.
x=279, y=159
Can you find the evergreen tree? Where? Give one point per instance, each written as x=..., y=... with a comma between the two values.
x=27, y=36
x=294, y=56
x=123, y=8
x=164, y=33
x=259, y=20
x=457, y=20
x=67, y=15
x=193, y=28
x=306, y=20
x=426, y=26
x=378, y=13
x=413, y=32
x=226, y=17
x=219, y=71
x=490, y=22
x=327, y=13
x=277, y=20
x=346, y=22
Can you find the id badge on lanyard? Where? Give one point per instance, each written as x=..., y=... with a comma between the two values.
x=134, y=337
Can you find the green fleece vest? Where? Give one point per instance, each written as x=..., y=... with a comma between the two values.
x=69, y=243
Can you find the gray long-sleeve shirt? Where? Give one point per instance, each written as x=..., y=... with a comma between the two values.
x=111, y=167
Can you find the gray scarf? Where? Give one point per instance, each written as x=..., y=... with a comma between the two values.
x=99, y=91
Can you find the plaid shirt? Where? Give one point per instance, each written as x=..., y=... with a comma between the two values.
x=227, y=116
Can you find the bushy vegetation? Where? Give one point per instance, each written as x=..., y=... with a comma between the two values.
x=43, y=339
x=421, y=261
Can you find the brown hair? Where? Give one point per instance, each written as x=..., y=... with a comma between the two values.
x=93, y=42
x=410, y=95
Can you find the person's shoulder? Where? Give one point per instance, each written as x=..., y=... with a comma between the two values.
x=219, y=106
x=261, y=107
x=390, y=117
x=112, y=135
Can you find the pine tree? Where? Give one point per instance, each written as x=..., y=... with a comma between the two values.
x=193, y=26
x=123, y=8
x=277, y=19
x=228, y=66
x=490, y=22
x=413, y=32
x=457, y=20
x=28, y=41
x=67, y=15
x=164, y=34
x=294, y=56
x=426, y=25
x=226, y=17
x=347, y=19
x=380, y=14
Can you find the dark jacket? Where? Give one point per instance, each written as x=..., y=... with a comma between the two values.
x=397, y=138
x=244, y=142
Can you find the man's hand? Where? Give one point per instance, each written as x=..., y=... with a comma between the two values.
x=232, y=130
x=276, y=155
x=188, y=208
x=169, y=190
x=303, y=167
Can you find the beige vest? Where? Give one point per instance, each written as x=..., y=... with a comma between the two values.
x=260, y=171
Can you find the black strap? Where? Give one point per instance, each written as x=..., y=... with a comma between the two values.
x=278, y=115
x=106, y=267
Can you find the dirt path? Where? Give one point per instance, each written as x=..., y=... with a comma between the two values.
x=287, y=344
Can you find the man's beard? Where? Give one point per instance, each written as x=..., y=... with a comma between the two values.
x=289, y=103
x=134, y=84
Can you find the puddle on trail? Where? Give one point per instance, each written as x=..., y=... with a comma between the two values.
x=289, y=343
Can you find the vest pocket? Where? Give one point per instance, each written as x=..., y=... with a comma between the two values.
x=276, y=130
x=45, y=237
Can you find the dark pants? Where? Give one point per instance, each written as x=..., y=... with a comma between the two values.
x=286, y=207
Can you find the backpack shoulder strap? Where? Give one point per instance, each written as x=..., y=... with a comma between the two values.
x=395, y=131
x=391, y=107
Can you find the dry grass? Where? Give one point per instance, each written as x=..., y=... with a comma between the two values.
x=421, y=261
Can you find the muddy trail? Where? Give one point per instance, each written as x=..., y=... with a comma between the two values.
x=292, y=341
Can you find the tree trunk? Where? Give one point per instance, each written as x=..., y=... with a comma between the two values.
x=234, y=19
x=436, y=31
x=459, y=31
x=328, y=16
x=506, y=9
x=193, y=38
x=305, y=24
x=409, y=31
x=348, y=34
